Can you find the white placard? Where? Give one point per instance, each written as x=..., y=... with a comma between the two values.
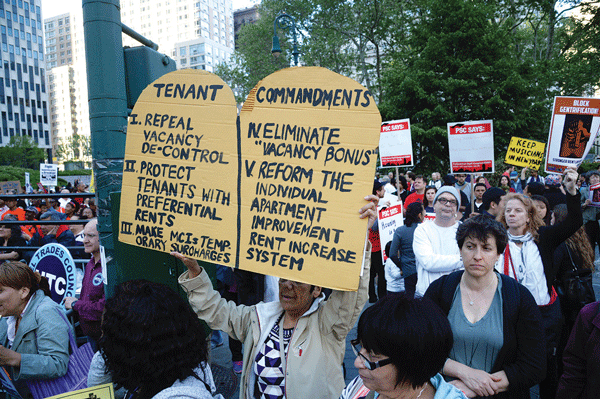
x=471, y=146
x=49, y=174
x=389, y=220
x=28, y=188
x=395, y=144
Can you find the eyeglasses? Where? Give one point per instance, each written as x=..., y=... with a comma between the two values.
x=357, y=348
x=445, y=201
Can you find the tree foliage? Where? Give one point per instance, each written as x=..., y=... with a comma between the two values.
x=439, y=61
x=22, y=152
x=74, y=148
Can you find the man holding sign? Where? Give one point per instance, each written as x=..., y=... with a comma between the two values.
x=302, y=329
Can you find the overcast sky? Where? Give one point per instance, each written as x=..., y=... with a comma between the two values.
x=51, y=8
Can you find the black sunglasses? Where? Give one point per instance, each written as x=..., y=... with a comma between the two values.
x=357, y=347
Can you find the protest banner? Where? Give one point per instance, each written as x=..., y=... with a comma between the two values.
x=55, y=262
x=11, y=187
x=275, y=193
x=395, y=144
x=28, y=187
x=48, y=174
x=573, y=130
x=390, y=218
x=525, y=153
x=105, y=391
x=471, y=146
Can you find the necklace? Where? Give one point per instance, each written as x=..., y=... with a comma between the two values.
x=471, y=300
x=421, y=393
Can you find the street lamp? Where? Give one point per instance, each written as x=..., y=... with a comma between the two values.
x=284, y=21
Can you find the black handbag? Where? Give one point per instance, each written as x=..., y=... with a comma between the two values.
x=576, y=290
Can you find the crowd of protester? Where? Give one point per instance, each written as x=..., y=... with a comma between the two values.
x=498, y=260
x=468, y=300
x=48, y=209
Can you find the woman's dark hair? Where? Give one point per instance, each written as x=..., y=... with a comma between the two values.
x=15, y=230
x=403, y=182
x=412, y=213
x=482, y=227
x=543, y=199
x=500, y=181
x=17, y=275
x=83, y=208
x=425, y=202
x=414, y=333
x=579, y=241
x=151, y=338
x=75, y=205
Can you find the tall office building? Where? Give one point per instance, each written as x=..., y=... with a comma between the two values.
x=195, y=33
x=67, y=83
x=23, y=95
x=59, y=45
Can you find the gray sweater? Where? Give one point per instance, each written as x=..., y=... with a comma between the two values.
x=403, y=242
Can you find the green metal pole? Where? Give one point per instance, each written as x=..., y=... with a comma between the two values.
x=108, y=111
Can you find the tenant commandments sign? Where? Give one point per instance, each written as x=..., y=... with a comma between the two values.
x=275, y=191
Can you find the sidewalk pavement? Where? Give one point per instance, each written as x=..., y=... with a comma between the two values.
x=228, y=382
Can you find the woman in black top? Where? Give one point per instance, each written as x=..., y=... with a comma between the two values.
x=10, y=236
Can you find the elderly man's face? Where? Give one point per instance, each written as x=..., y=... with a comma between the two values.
x=91, y=240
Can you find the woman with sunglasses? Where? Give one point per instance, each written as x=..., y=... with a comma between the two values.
x=498, y=347
x=392, y=334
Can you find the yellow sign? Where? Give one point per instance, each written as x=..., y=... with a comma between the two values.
x=525, y=153
x=98, y=392
x=92, y=188
x=276, y=193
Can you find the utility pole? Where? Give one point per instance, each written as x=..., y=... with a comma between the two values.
x=108, y=109
x=116, y=77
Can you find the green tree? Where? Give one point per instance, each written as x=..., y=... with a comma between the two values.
x=579, y=51
x=437, y=61
x=74, y=148
x=22, y=152
x=350, y=38
x=477, y=60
